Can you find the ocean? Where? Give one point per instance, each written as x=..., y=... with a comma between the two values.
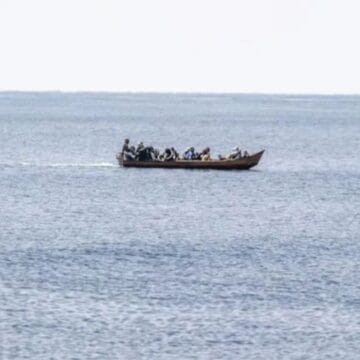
x=102, y=262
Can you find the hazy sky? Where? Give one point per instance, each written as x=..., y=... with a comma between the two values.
x=297, y=46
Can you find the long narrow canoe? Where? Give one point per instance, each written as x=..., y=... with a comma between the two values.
x=241, y=164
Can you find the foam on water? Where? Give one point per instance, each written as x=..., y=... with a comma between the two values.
x=86, y=165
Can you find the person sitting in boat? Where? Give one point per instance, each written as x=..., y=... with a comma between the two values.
x=140, y=146
x=205, y=154
x=167, y=155
x=127, y=152
x=189, y=154
x=196, y=156
x=130, y=154
x=144, y=154
x=155, y=154
x=150, y=153
x=235, y=154
x=238, y=155
x=174, y=153
x=141, y=152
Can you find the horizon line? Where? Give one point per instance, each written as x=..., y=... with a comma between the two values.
x=155, y=92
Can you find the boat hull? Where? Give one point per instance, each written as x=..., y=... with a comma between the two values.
x=241, y=164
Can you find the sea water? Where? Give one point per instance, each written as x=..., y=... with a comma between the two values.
x=102, y=262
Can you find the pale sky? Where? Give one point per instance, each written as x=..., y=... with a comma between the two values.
x=267, y=46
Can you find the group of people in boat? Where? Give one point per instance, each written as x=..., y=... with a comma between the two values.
x=149, y=153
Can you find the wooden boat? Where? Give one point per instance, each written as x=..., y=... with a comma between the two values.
x=244, y=163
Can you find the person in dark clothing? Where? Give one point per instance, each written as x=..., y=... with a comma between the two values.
x=127, y=152
x=196, y=156
x=205, y=154
x=140, y=146
x=174, y=153
x=125, y=147
x=149, y=153
x=167, y=155
x=141, y=154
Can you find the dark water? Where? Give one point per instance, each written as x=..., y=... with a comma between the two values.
x=102, y=262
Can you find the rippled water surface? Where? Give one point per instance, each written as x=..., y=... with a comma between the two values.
x=102, y=262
